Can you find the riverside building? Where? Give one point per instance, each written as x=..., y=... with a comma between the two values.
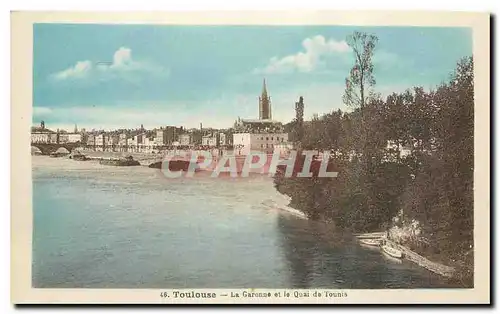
x=263, y=134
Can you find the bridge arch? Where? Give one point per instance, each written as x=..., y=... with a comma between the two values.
x=63, y=150
x=35, y=150
x=48, y=148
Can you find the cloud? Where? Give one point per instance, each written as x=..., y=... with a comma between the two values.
x=122, y=57
x=315, y=49
x=218, y=112
x=80, y=70
x=122, y=64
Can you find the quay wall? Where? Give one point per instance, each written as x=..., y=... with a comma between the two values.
x=440, y=269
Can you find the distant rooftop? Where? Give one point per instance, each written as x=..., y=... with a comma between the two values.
x=259, y=121
x=37, y=129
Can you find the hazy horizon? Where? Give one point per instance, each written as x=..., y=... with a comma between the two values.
x=122, y=76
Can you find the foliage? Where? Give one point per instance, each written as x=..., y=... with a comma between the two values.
x=296, y=127
x=426, y=174
x=360, y=80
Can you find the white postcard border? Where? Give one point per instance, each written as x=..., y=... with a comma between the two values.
x=21, y=187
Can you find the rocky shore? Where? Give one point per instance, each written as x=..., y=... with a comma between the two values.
x=144, y=159
x=121, y=162
x=173, y=165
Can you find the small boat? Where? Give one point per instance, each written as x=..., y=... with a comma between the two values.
x=392, y=251
x=370, y=242
x=372, y=235
x=392, y=259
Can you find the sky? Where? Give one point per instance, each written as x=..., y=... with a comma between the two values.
x=122, y=76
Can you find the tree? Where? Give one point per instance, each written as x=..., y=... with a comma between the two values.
x=298, y=123
x=360, y=80
x=359, y=85
x=432, y=184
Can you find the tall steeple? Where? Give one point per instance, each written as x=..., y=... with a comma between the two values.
x=264, y=103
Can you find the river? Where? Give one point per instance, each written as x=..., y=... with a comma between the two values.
x=130, y=227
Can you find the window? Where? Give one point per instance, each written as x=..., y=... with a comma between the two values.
x=272, y=138
x=261, y=145
x=267, y=138
x=267, y=145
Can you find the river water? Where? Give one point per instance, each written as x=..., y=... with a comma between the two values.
x=130, y=227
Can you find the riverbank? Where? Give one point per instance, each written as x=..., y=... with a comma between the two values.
x=437, y=268
x=144, y=159
x=408, y=254
x=285, y=208
x=418, y=259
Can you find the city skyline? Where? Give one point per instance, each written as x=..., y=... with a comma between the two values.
x=183, y=75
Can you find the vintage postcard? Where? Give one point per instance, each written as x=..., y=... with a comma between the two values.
x=250, y=157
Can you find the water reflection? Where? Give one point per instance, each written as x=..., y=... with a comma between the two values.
x=318, y=255
x=102, y=227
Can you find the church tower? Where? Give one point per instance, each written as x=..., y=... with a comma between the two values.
x=264, y=104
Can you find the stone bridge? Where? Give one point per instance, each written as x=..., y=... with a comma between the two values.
x=47, y=148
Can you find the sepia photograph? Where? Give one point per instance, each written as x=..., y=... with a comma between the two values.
x=251, y=162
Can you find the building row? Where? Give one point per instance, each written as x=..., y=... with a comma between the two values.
x=159, y=139
x=164, y=136
x=46, y=136
x=262, y=134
